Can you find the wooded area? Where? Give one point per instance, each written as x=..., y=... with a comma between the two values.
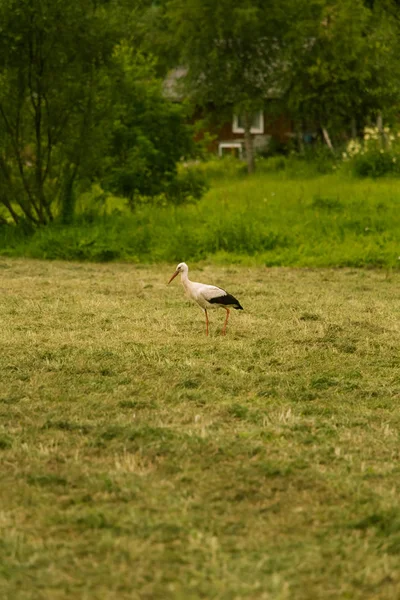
x=81, y=87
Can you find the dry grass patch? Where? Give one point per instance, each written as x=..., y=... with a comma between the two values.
x=142, y=460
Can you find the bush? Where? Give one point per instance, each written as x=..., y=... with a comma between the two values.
x=322, y=158
x=188, y=187
x=148, y=138
x=378, y=154
x=375, y=164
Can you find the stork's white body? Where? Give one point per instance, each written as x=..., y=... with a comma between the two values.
x=206, y=296
x=201, y=292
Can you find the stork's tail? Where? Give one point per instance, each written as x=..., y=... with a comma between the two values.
x=234, y=303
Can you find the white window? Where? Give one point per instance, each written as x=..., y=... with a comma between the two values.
x=257, y=123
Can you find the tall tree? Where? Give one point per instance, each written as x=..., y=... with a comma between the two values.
x=52, y=58
x=79, y=100
x=233, y=52
x=148, y=134
x=343, y=65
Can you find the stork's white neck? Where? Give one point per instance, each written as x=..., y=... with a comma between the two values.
x=185, y=281
x=184, y=277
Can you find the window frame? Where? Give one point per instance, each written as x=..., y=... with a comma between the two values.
x=260, y=129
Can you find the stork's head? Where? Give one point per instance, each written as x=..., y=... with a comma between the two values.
x=181, y=268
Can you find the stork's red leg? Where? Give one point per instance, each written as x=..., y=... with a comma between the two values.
x=226, y=321
x=205, y=310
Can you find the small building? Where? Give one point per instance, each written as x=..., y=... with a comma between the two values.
x=227, y=134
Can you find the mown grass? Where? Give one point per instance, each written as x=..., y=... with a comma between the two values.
x=286, y=218
x=142, y=460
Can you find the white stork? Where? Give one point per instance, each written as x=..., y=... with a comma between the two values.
x=206, y=296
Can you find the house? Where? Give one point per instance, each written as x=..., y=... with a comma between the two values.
x=269, y=125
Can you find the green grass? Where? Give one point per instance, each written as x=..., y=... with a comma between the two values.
x=142, y=460
x=286, y=218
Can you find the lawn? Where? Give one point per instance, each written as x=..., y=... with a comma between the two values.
x=141, y=460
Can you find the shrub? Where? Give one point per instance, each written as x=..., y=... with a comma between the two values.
x=189, y=186
x=375, y=164
x=321, y=157
x=376, y=155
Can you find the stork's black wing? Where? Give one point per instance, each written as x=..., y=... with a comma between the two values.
x=227, y=300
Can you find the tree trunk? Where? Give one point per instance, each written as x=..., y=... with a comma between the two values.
x=248, y=143
x=327, y=139
x=300, y=137
x=353, y=128
x=379, y=126
x=68, y=199
x=379, y=122
x=5, y=202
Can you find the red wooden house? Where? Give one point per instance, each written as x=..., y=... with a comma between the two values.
x=227, y=134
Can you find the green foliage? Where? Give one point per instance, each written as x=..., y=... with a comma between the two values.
x=321, y=158
x=377, y=155
x=227, y=167
x=78, y=105
x=344, y=64
x=188, y=187
x=232, y=51
x=148, y=135
x=376, y=164
x=217, y=43
x=277, y=218
x=53, y=95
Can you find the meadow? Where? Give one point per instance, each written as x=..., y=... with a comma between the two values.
x=282, y=216
x=142, y=460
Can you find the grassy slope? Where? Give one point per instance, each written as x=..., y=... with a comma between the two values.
x=322, y=221
x=272, y=219
x=142, y=460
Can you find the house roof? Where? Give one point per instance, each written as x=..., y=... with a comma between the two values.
x=173, y=88
x=172, y=85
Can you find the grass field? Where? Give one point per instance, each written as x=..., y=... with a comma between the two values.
x=141, y=460
x=273, y=219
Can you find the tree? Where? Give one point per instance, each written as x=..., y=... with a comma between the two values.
x=233, y=52
x=52, y=59
x=154, y=36
x=148, y=135
x=343, y=65
x=80, y=101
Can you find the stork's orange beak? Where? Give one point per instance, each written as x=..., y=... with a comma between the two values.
x=173, y=276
